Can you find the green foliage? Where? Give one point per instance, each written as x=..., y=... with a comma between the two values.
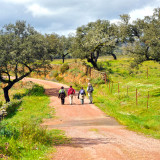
x=94, y=39
x=22, y=51
x=64, y=68
x=36, y=90
x=54, y=74
x=19, y=95
x=8, y=130
x=22, y=137
x=142, y=38
x=97, y=81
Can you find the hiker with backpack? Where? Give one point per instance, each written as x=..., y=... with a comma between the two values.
x=81, y=95
x=62, y=95
x=71, y=92
x=90, y=91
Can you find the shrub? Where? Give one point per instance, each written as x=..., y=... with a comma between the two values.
x=18, y=95
x=54, y=74
x=59, y=78
x=36, y=90
x=8, y=130
x=64, y=68
x=97, y=81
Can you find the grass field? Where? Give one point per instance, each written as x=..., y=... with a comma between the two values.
x=132, y=96
x=22, y=137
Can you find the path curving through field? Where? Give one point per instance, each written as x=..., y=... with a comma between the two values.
x=95, y=136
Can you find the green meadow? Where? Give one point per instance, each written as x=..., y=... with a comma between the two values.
x=132, y=96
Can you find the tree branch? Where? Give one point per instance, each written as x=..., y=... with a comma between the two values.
x=5, y=80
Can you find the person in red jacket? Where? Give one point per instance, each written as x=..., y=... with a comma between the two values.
x=71, y=92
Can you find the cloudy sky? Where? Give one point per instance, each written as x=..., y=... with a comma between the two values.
x=64, y=16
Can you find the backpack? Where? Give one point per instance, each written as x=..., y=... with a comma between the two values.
x=72, y=91
x=62, y=91
x=82, y=91
x=90, y=89
x=62, y=94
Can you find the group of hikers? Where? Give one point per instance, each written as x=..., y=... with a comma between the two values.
x=81, y=94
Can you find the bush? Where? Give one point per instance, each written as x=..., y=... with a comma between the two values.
x=36, y=90
x=59, y=78
x=8, y=130
x=97, y=81
x=64, y=68
x=18, y=95
x=54, y=74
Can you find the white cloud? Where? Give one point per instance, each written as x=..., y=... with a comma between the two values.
x=38, y=11
x=141, y=13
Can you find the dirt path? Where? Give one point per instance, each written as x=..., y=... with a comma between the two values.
x=95, y=136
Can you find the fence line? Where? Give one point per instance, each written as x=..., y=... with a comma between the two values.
x=110, y=88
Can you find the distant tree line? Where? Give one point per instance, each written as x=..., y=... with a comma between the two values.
x=24, y=50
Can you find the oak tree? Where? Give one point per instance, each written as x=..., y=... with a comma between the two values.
x=22, y=51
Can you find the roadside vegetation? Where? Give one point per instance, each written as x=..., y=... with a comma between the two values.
x=22, y=136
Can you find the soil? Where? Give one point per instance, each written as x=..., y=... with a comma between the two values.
x=94, y=135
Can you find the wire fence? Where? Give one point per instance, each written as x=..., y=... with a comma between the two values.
x=115, y=87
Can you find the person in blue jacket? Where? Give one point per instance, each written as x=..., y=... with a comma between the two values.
x=81, y=95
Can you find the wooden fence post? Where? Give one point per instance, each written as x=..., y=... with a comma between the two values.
x=105, y=77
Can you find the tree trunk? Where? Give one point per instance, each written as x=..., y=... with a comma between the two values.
x=93, y=63
x=6, y=95
x=114, y=56
x=146, y=54
x=63, y=58
x=6, y=91
x=97, y=55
